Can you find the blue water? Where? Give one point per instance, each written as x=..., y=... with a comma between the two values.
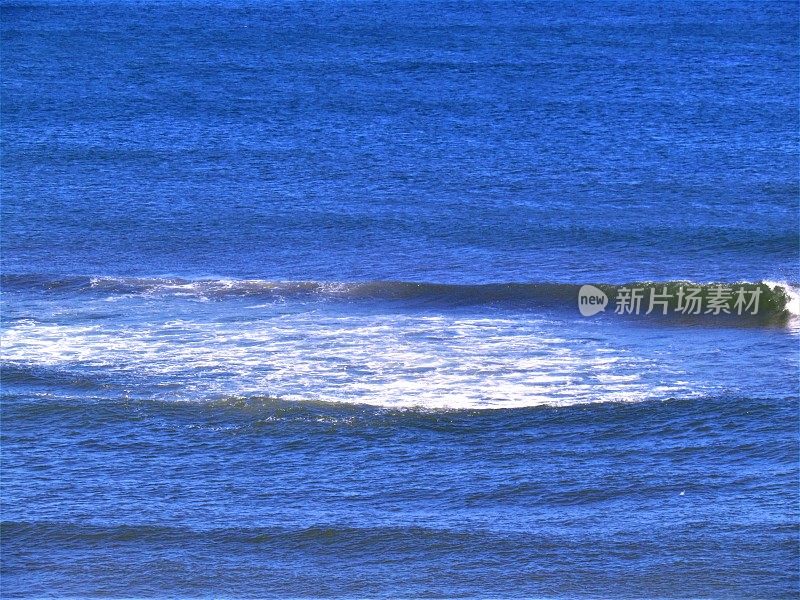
x=290, y=299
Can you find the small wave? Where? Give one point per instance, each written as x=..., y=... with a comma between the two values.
x=777, y=299
x=71, y=534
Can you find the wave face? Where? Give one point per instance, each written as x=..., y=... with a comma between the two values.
x=777, y=301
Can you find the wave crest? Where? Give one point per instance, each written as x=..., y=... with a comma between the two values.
x=778, y=299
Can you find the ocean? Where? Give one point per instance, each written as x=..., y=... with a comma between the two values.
x=295, y=299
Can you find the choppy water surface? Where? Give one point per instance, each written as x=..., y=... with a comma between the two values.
x=290, y=299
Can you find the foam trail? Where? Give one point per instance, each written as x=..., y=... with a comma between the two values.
x=411, y=360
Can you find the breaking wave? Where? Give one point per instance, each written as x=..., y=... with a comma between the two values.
x=777, y=299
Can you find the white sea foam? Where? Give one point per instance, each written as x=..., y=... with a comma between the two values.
x=793, y=306
x=444, y=361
